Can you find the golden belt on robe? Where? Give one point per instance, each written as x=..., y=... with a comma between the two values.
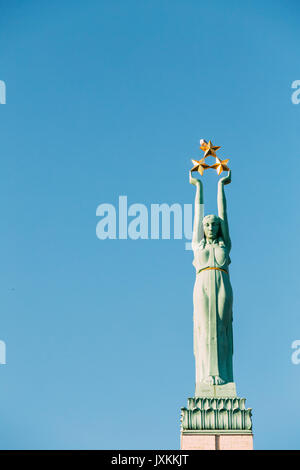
x=218, y=269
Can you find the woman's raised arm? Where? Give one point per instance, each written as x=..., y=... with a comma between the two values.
x=199, y=211
x=222, y=209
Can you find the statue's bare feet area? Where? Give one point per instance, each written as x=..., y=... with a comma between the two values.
x=214, y=380
x=209, y=380
x=219, y=380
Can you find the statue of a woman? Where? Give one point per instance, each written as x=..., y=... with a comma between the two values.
x=213, y=343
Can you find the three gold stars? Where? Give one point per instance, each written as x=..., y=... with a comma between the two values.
x=209, y=150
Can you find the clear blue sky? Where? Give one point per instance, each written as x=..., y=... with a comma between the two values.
x=109, y=98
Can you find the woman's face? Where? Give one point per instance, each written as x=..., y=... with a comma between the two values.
x=211, y=227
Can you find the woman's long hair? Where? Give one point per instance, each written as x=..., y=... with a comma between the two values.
x=219, y=237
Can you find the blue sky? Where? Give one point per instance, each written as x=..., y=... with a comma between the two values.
x=111, y=98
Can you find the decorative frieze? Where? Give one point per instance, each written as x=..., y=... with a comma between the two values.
x=216, y=414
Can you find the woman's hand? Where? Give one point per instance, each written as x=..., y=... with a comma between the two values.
x=194, y=181
x=226, y=179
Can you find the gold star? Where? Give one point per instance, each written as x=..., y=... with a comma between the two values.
x=220, y=166
x=210, y=149
x=203, y=144
x=200, y=166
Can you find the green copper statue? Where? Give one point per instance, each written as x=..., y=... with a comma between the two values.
x=215, y=410
x=213, y=342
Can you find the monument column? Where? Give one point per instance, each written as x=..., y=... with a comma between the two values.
x=215, y=418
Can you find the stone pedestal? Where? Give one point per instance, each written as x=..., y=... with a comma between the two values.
x=216, y=441
x=216, y=420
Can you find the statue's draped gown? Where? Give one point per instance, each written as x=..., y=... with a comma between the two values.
x=213, y=342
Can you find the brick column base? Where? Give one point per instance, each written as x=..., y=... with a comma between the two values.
x=216, y=441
